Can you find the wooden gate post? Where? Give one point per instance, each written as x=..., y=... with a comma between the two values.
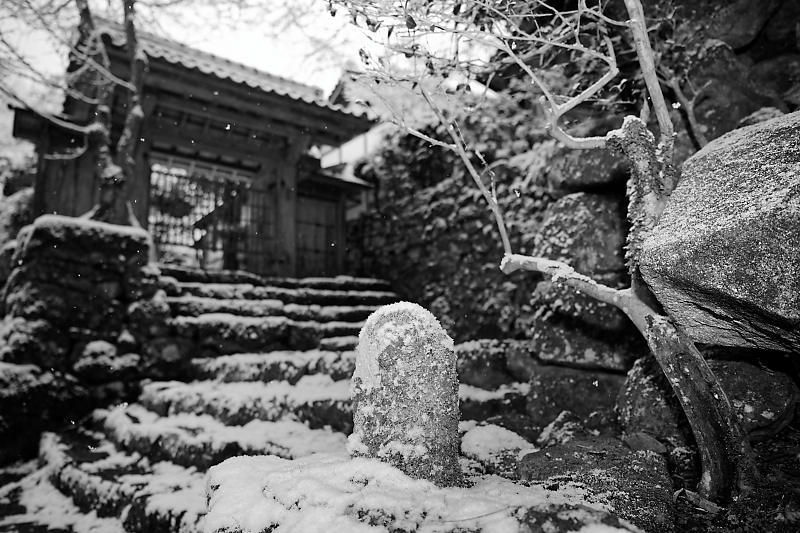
x=286, y=207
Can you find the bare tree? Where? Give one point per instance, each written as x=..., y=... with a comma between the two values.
x=91, y=82
x=536, y=37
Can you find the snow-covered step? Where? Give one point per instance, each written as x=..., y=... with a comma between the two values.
x=336, y=283
x=197, y=305
x=99, y=478
x=273, y=366
x=225, y=333
x=479, y=404
x=31, y=504
x=345, y=343
x=248, y=291
x=329, y=313
x=202, y=441
x=316, y=399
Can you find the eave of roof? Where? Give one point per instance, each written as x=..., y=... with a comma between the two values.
x=179, y=54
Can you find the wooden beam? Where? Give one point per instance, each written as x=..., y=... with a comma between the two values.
x=161, y=130
x=260, y=124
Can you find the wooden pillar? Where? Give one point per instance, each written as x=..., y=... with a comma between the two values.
x=286, y=208
x=341, y=232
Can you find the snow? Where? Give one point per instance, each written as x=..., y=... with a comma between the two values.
x=380, y=331
x=489, y=442
x=45, y=505
x=59, y=221
x=287, y=439
x=323, y=493
x=476, y=394
x=275, y=396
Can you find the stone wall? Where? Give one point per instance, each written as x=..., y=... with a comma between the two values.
x=439, y=247
x=81, y=302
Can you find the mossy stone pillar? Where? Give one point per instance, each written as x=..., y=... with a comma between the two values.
x=405, y=393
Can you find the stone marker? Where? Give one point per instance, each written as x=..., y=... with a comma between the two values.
x=405, y=394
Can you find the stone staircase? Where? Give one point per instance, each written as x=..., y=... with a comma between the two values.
x=268, y=374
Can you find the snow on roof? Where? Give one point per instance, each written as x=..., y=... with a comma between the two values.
x=191, y=58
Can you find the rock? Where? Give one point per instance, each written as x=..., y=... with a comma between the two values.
x=558, y=344
x=781, y=74
x=724, y=260
x=566, y=302
x=15, y=213
x=739, y=22
x=106, y=246
x=405, y=394
x=325, y=493
x=482, y=363
x=32, y=400
x=585, y=169
x=99, y=362
x=781, y=29
x=762, y=115
x=730, y=93
x=646, y=404
x=62, y=306
x=564, y=428
x=585, y=230
x=636, y=484
x=586, y=393
x=34, y=341
x=643, y=442
x=563, y=519
x=148, y=318
x=497, y=449
x=765, y=401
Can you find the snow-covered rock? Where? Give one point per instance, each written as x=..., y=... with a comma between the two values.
x=635, y=484
x=323, y=493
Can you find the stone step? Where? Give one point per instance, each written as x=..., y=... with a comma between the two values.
x=273, y=366
x=31, y=504
x=248, y=291
x=334, y=283
x=201, y=441
x=196, y=305
x=339, y=344
x=316, y=400
x=99, y=478
x=181, y=273
x=185, y=274
x=225, y=333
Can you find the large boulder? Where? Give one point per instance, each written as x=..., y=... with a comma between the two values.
x=724, y=260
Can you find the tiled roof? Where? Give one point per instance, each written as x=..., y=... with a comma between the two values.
x=212, y=65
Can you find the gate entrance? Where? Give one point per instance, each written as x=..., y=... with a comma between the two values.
x=208, y=216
